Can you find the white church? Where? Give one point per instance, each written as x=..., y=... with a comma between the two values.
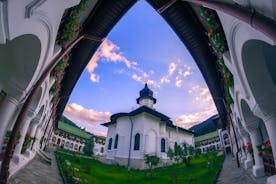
x=142, y=131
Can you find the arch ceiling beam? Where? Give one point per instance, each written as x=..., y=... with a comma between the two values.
x=250, y=16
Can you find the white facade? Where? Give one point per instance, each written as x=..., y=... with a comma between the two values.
x=75, y=143
x=146, y=128
x=66, y=141
x=251, y=60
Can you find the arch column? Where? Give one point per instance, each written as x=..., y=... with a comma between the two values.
x=245, y=139
x=258, y=168
x=24, y=128
x=248, y=163
x=7, y=111
x=270, y=124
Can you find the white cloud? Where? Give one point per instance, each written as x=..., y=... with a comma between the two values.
x=165, y=79
x=109, y=52
x=172, y=68
x=136, y=77
x=178, y=83
x=202, y=99
x=78, y=113
x=94, y=77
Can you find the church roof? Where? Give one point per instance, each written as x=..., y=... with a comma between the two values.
x=146, y=93
x=164, y=118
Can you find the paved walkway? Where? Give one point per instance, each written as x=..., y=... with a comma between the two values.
x=38, y=172
x=230, y=174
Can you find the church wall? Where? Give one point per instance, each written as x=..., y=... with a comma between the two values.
x=110, y=134
x=123, y=129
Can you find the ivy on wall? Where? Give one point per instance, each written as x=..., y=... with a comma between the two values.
x=69, y=32
x=219, y=45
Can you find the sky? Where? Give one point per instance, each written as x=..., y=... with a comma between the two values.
x=140, y=48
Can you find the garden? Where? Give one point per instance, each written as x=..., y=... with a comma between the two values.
x=77, y=169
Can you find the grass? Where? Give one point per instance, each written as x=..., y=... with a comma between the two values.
x=92, y=171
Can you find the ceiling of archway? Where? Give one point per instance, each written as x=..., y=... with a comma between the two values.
x=182, y=19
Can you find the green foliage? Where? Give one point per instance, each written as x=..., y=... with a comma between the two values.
x=72, y=26
x=219, y=46
x=111, y=174
x=191, y=150
x=170, y=153
x=180, y=153
x=87, y=169
x=151, y=160
x=197, y=151
x=88, y=148
x=8, y=135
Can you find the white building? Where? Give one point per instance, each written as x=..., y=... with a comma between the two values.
x=142, y=131
x=29, y=42
x=218, y=140
x=71, y=137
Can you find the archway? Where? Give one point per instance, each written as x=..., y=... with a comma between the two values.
x=259, y=65
x=21, y=56
x=251, y=124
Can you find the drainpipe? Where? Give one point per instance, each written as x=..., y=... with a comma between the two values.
x=4, y=174
x=130, y=144
x=256, y=20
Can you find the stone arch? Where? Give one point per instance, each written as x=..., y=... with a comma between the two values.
x=259, y=66
x=249, y=120
x=151, y=142
x=19, y=58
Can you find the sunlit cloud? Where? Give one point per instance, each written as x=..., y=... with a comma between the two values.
x=137, y=78
x=202, y=99
x=178, y=82
x=78, y=113
x=172, y=68
x=94, y=77
x=109, y=52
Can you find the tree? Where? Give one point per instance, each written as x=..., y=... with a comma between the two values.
x=151, y=160
x=181, y=154
x=191, y=150
x=170, y=153
x=88, y=148
x=178, y=152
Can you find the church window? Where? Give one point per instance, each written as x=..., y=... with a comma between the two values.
x=137, y=142
x=163, y=145
x=110, y=144
x=116, y=141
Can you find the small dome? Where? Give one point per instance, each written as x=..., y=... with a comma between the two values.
x=146, y=93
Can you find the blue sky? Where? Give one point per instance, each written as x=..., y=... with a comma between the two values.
x=141, y=47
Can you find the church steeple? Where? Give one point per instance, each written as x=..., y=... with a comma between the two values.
x=146, y=97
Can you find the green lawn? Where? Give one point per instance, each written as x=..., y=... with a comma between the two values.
x=93, y=172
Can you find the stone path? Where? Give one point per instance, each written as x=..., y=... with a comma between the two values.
x=230, y=174
x=38, y=172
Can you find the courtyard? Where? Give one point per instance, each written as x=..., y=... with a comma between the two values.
x=203, y=169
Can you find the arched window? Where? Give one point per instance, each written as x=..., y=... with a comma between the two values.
x=116, y=141
x=110, y=144
x=137, y=142
x=163, y=145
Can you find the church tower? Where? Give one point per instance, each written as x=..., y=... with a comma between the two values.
x=146, y=97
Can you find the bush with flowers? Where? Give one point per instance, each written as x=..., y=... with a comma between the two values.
x=265, y=148
x=248, y=147
x=27, y=142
